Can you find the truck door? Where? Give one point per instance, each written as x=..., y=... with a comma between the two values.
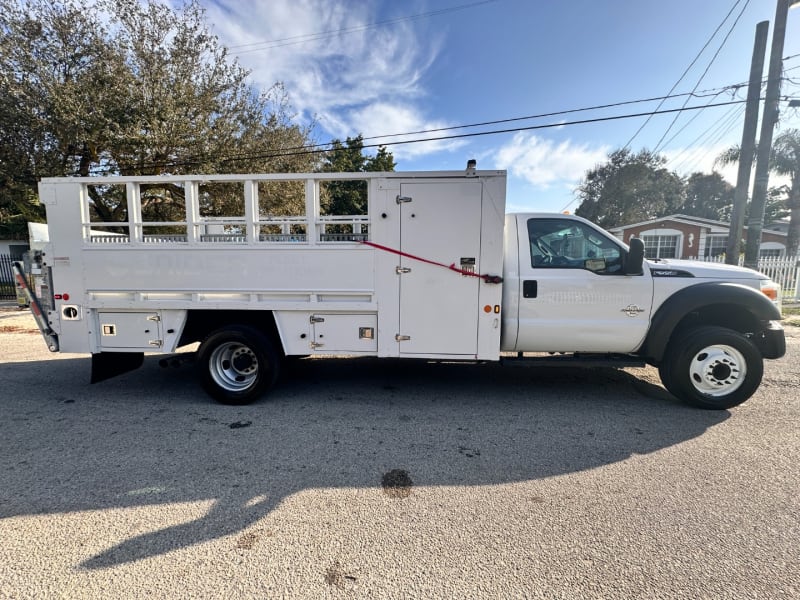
x=439, y=308
x=573, y=294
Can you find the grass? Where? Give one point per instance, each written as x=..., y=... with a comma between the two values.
x=791, y=315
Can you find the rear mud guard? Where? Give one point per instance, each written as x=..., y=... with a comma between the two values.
x=106, y=365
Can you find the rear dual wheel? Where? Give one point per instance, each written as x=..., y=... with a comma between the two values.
x=237, y=364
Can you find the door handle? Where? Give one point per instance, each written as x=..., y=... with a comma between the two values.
x=530, y=288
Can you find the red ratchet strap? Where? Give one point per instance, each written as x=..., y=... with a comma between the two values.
x=452, y=267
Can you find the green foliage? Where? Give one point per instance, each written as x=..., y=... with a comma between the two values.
x=123, y=87
x=629, y=188
x=708, y=196
x=786, y=161
x=350, y=197
x=782, y=200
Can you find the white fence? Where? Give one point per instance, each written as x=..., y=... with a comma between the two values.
x=781, y=269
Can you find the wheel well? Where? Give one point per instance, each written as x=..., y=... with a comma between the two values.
x=733, y=306
x=200, y=323
x=730, y=316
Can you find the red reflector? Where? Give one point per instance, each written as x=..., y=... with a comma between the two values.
x=66, y=297
x=57, y=296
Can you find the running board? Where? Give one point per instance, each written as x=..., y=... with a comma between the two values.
x=616, y=361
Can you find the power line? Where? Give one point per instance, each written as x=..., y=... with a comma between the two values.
x=305, y=151
x=685, y=125
x=322, y=35
x=326, y=146
x=723, y=124
x=693, y=94
x=690, y=149
x=715, y=132
x=696, y=58
x=711, y=62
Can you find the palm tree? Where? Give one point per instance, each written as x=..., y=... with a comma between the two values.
x=784, y=160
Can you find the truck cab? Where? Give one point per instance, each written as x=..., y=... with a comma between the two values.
x=571, y=287
x=563, y=274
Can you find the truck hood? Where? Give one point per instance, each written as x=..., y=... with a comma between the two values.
x=668, y=267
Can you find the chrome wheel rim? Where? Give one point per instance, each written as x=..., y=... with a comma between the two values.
x=233, y=366
x=717, y=370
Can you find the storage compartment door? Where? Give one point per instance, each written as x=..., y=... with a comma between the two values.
x=439, y=307
x=129, y=331
x=335, y=333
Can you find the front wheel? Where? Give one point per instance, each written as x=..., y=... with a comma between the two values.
x=712, y=367
x=237, y=364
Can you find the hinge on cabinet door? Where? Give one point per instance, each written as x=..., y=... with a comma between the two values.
x=401, y=199
x=402, y=338
x=401, y=270
x=156, y=343
x=313, y=319
x=155, y=318
x=315, y=345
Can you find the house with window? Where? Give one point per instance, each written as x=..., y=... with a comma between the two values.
x=685, y=236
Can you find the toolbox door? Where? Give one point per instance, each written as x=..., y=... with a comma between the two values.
x=130, y=330
x=440, y=222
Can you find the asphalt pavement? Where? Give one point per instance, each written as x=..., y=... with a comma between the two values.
x=388, y=479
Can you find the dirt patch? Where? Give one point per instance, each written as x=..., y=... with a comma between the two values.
x=469, y=452
x=17, y=329
x=335, y=575
x=397, y=483
x=248, y=540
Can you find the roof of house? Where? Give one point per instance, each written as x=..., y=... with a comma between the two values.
x=686, y=219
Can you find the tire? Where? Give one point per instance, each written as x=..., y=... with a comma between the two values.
x=237, y=364
x=712, y=367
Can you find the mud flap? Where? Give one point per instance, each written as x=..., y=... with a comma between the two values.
x=106, y=365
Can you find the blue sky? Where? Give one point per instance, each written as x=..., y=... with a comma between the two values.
x=381, y=67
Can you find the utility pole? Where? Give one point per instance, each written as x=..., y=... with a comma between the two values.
x=747, y=149
x=755, y=223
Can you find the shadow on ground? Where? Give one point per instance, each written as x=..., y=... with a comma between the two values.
x=152, y=437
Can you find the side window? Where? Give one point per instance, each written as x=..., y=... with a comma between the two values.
x=568, y=244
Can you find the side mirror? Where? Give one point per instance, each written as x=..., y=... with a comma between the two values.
x=634, y=260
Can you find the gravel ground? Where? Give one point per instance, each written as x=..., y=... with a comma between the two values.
x=378, y=478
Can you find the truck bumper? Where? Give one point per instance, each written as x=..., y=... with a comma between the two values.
x=771, y=340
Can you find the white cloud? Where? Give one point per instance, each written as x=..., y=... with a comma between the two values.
x=360, y=80
x=544, y=163
x=382, y=118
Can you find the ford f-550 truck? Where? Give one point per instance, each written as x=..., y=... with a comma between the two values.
x=259, y=268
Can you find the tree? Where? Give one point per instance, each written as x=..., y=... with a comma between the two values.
x=708, y=196
x=784, y=160
x=52, y=66
x=629, y=188
x=350, y=197
x=122, y=87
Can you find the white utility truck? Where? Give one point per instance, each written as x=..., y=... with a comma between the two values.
x=430, y=267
